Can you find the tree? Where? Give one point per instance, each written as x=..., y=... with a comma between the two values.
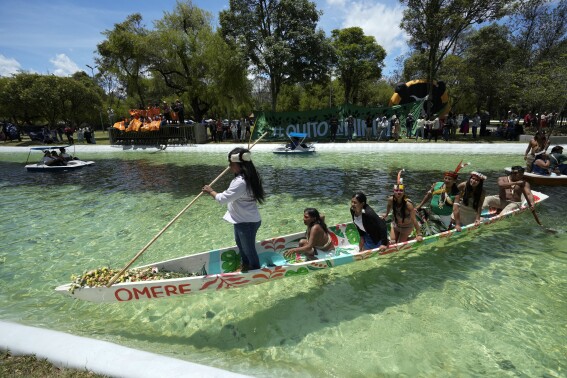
x=279, y=38
x=124, y=53
x=16, y=100
x=539, y=28
x=537, y=71
x=486, y=57
x=196, y=62
x=81, y=100
x=456, y=74
x=358, y=58
x=434, y=26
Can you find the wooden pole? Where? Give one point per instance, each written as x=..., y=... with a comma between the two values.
x=171, y=222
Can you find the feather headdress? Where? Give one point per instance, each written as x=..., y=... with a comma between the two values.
x=400, y=182
x=455, y=174
x=479, y=175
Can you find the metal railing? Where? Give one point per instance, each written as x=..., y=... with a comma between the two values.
x=166, y=135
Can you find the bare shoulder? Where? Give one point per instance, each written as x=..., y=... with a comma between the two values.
x=316, y=228
x=409, y=205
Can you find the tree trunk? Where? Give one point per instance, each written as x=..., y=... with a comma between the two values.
x=274, y=90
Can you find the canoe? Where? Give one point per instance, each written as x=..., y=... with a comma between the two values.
x=214, y=270
x=540, y=180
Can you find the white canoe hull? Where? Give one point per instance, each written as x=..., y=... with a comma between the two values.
x=215, y=268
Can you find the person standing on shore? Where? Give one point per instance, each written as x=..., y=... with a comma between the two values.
x=350, y=128
x=409, y=125
x=368, y=128
x=475, y=124
x=334, y=123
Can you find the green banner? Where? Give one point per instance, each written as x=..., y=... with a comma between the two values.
x=316, y=123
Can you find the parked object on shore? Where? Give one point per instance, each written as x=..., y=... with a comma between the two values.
x=218, y=269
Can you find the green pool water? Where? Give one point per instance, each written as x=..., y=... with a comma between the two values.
x=490, y=304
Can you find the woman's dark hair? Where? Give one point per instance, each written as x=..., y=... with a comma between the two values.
x=403, y=207
x=314, y=213
x=474, y=192
x=455, y=188
x=248, y=171
x=360, y=197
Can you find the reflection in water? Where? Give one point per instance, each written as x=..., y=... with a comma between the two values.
x=489, y=304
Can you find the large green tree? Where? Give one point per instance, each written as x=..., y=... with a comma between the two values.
x=124, y=53
x=280, y=39
x=539, y=28
x=538, y=72
x=434, y=26
x=358, y=59
x=487, y=57
x=31, y=98
x=196, y=62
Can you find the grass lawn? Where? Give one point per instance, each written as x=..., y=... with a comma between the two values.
x=32, y=367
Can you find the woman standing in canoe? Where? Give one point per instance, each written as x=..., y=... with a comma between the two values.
x=242, y=197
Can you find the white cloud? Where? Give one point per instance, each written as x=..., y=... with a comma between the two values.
x=8, y=66
x=63, y=65
x=380, y=21
x=378, y=18
x=335, y=3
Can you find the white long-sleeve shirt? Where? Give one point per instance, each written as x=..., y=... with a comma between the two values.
x=241, y=205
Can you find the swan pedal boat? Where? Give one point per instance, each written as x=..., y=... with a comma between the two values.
x=541, y=180
x=41, y=167
x=215, y=269
x=301, y=149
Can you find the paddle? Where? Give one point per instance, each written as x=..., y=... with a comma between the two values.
x=171, y=222
x=548, y=142
x=536, y=217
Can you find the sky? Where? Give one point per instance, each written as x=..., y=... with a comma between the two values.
x=60, y=36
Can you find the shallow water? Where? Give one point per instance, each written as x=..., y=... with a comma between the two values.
x=490, y=304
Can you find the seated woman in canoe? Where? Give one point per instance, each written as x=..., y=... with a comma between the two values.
x=541, y=164
x=404, y=220
x=371, y=228
x=317, y=237
x=441, y=197
x=468, y=203
x=558, y=160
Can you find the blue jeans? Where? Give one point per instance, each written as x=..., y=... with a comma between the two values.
x=245, y=236
x=369, y=243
